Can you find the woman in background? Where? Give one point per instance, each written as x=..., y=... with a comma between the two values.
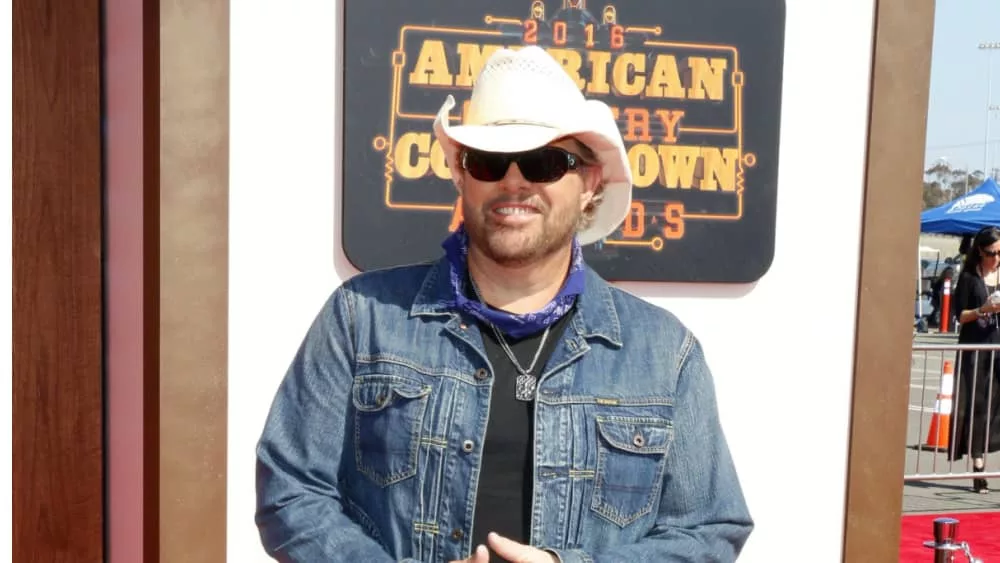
x=976, y=414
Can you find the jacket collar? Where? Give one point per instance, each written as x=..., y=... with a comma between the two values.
x=596, y=315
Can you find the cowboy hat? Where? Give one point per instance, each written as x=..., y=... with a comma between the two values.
x=523, y=100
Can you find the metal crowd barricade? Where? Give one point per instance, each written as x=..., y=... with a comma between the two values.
x=933, y=392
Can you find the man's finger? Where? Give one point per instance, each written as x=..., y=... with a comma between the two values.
x=480, y=555
x=509, y=549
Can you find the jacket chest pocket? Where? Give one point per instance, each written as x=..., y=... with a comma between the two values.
x=388, y=415
x=631, y=457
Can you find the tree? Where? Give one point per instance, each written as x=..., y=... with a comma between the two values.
x=942, y=183
x=933, y=195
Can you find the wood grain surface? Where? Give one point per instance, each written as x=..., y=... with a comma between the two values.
x=57, y=342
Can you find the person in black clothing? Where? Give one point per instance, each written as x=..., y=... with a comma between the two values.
x=976, y=409
x=965, y=245
x=504, y=402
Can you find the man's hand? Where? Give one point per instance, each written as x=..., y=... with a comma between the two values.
x=510, y=551
x=481, y=555
x=515, y=552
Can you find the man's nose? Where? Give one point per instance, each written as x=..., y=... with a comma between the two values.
x=513, y=180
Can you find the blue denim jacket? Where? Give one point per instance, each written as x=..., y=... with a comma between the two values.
x=371, y=449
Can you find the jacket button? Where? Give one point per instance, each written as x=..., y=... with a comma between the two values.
x=457, y=534
x=467, y=446
x=639, y=441
x=481, y=374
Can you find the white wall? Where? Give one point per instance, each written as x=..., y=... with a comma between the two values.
x=786, y=415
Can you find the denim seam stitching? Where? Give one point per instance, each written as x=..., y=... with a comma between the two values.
x=685, y=350
x=349, y=297
x=366, y=522
x=415, y=436
x=604, y=509
x=587, y=400
x=369, y=359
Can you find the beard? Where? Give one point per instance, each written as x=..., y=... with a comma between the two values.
x=520, y=245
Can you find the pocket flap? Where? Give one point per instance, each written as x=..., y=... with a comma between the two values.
x=376, y=392
x=636, y=435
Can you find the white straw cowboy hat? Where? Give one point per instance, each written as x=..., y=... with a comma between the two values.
x=523, y=100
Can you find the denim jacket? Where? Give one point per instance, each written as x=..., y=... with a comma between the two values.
x=371, y=449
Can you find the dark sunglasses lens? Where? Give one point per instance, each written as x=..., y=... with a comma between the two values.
x=486, y=167
x=543, y=165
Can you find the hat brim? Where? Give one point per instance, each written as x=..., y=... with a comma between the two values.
x=514, y=137
x=597, y=129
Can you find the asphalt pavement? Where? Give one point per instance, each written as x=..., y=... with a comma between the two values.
x=932, y=494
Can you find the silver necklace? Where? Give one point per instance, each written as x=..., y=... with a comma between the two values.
x=524, y=386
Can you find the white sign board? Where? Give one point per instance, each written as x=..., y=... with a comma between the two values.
x=781, y=349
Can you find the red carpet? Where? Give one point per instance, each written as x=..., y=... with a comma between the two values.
x=980, y=529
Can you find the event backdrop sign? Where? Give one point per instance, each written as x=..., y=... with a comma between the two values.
x=695, y=86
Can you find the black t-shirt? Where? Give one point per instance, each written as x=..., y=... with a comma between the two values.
x=971, y=292
x=503, y=499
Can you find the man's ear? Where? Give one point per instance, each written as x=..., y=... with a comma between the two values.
x=591, y=182
x=594, y=176
x=457, y=174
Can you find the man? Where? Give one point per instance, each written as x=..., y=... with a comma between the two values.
x=504, y=401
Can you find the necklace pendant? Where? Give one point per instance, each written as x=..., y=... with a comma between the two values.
x=524, y=389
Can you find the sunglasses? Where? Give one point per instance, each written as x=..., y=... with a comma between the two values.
x=546, y=164
x=992, y=254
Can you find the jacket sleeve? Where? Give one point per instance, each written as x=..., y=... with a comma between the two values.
x=702, y=516
x=300, y=510
x=966, y=295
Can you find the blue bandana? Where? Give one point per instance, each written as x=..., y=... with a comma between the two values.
x=456, y=249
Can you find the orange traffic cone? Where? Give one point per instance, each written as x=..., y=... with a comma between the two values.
x=940, y=429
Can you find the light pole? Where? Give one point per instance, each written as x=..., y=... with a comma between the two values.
x=992, y=111
x=989, y=47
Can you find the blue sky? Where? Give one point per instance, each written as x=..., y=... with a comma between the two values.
x=956, y=119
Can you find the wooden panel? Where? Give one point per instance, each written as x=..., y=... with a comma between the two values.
x=900, y=84
x=194, y=282
x=131, y=153
x=56, y=201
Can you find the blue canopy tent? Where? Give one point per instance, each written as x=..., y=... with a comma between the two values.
x=963, y=216
x=967, y=214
